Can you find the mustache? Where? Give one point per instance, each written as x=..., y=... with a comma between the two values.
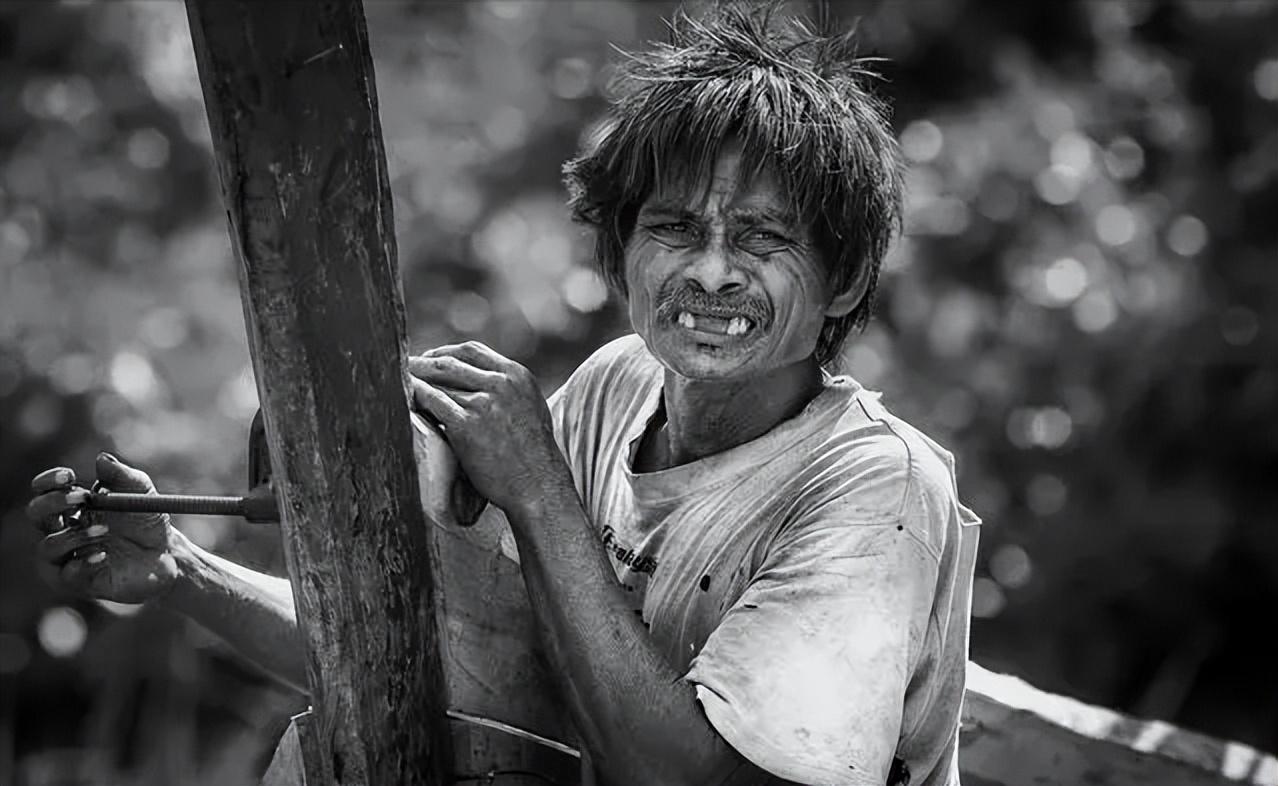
x=674, y=298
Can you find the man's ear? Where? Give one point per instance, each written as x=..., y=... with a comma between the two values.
x=845, y=302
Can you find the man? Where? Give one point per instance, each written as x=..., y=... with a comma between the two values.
x=744, y=568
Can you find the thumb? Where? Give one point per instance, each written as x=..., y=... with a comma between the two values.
x=117, y=476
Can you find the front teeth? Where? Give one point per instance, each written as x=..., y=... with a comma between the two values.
x=737, y=326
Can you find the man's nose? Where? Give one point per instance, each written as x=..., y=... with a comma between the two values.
x=714, y=271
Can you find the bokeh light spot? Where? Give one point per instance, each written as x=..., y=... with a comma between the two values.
x=39, y=416
x=1095, y=312
x=1265, y=79
x=1046, y=494
x=72, y=374
x=133, y=377
x=1187, y=235
x=988, y=599
x=1064, y=280
x=921, y=141
x=62, y=631
x=1239, y=325
x=147, y=148
x=15, y=242
x=1058, y=185
x=469, y=312
x=1115, y=225
x=1045, y=427
x=1010, y=566
x=572, y=78
x=584, y=290
x=1124, y=158
x=1073, y=151
x=71, y=99
x=164, y=328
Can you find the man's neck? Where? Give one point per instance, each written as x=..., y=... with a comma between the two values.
x=704, y=418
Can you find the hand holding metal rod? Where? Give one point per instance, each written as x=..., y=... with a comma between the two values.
x=258, y=506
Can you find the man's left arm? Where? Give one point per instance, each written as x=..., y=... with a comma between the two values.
x=639, y=720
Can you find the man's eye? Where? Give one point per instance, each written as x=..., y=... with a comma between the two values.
x=674, y=228
x=674, y=231
x=764, y=237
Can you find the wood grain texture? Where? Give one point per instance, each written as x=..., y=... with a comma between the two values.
x=292, y=108
x=1014, y=733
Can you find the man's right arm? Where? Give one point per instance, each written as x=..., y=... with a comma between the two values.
x=142, y=558
x=251, y=611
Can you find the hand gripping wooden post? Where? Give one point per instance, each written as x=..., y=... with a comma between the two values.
x=292, y=108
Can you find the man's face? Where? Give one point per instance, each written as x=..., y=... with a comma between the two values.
x=723, y=283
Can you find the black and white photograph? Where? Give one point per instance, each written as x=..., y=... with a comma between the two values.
x=638, y=392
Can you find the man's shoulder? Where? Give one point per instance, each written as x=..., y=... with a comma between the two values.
x=618, y=366
x=877, y=466
x=622, y=352
x=604, y=394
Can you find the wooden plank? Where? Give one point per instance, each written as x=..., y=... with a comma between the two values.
x=1014, y=733
x=492, y=660
x=292, y=107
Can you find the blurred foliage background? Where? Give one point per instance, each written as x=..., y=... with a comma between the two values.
x=1081, y=308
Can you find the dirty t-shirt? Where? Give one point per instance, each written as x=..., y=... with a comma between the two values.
x=813, y=584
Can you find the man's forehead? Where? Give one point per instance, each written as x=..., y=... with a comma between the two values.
x=725, y=189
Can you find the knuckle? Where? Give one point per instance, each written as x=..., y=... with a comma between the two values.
x=519, y=378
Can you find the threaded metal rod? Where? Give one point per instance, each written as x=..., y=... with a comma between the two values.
x=260, y=506
x=166, y=503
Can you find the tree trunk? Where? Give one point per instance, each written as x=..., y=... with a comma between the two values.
x=292, y=107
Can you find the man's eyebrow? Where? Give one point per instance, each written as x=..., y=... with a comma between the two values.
x=667, y=209
x=758, y=215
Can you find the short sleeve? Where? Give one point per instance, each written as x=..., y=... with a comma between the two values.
x=555, y=403
x=805, y=675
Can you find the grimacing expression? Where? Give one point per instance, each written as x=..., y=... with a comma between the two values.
x=723, y=282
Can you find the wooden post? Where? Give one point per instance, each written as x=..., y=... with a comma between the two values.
x=292, y=107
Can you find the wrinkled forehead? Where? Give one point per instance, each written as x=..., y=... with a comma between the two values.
x=732, y=181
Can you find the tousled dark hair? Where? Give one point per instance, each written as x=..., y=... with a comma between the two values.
x=793, y=94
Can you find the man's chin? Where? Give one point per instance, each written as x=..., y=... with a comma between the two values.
x=705, y=361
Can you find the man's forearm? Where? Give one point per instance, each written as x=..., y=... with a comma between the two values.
x=252, y=611
x=639, y=720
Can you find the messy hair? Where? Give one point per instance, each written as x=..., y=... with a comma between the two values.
x=793, y=95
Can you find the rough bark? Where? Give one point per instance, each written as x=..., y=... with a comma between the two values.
x=292, y=108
